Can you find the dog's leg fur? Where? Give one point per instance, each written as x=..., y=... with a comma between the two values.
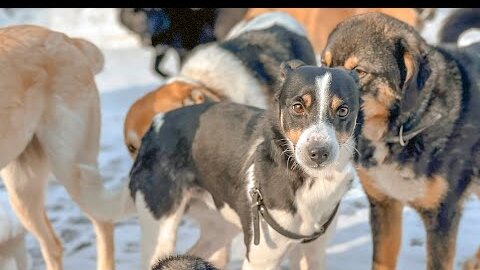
x=312, y=255
x=474, y=263
x=158, y=235
x=212, y=225
x=385, y=223
x=441, y=225
x=25, y=179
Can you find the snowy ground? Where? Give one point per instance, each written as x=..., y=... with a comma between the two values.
x=126, y=77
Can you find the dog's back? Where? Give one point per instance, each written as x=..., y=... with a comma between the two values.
x=244, y=67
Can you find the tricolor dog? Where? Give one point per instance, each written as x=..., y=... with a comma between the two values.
x=278, y=175
x=419, y=130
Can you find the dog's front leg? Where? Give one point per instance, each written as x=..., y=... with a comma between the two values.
x=386, y=226
x=441, y=226
x=312, y=255
x=385, y=223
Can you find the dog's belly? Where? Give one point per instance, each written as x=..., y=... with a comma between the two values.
x=398, y=183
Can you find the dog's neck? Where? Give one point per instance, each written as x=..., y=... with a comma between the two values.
x=279, y=176
x=435, y=107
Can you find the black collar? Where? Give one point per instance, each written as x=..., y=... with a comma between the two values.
x=259, y=207
x=420, y=125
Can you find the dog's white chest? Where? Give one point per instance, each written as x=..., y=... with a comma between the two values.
x=399, y=183
x=317, y=198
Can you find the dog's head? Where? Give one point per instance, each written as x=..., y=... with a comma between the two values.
x=390, y=59
x=317, y=112
x=170, y=96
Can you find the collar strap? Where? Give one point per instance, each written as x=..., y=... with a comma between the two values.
x=259, y=208
x=403, y=138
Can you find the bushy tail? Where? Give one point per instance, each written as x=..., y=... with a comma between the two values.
x=92, y=52
x=458, y=22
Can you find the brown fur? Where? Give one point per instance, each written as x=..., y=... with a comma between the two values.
x=307, y=100
x=166, y=98
x=319, y=22
x=336, y=102
x=407, y=77
x=50, y=111
x=293, y=135
x=437, y=186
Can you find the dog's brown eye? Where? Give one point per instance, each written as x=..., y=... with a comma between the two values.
x=131, y=148
x=343, y=111
x=361, y=73
x=298, y=108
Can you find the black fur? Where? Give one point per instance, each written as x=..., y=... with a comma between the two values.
x=179, y=28
x=207, y=146
x=457, y=23
x=183, y=262
x=262, y=51
x=446, y=81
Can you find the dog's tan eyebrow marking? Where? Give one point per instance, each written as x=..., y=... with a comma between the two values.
x=336, y=102
x=351, y=62
x=307, y=100
x=327, y=58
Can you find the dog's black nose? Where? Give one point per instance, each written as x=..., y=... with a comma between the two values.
x=319, y=154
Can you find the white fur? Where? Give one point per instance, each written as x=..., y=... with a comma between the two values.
x=321, y=133
x=267, y=20
x=398, y=182
x=314, y=202
x=323, y=86
x=13, y=255
x=225, y=74
x=158, y=121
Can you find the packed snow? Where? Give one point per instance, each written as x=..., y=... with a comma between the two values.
x=127, y=76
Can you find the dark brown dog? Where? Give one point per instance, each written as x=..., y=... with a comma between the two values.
x=419, y=137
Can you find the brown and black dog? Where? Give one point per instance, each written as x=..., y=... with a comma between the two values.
x=419, y=137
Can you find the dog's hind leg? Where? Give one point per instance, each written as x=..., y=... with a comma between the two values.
x=25, y=179
x=158, y=235
x=216, y=234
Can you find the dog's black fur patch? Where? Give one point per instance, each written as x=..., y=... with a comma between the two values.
x=445, y=81
x=262, y=51
x=208, y=146
x=183, y=262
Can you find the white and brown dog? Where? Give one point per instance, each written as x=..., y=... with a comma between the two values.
x=50, y=116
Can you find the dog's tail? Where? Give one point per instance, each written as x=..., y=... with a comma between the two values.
x=113, y=204
x=183, y=262
x=458, y=22
x=92, y=53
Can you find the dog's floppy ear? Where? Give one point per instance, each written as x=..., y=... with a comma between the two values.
x=414, y=72
x=287, y=66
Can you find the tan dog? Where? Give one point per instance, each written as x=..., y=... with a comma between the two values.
x=319, y=22
x=50, y=116
x=165, y=98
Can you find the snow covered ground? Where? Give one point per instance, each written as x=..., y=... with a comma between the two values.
x=127, y=76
